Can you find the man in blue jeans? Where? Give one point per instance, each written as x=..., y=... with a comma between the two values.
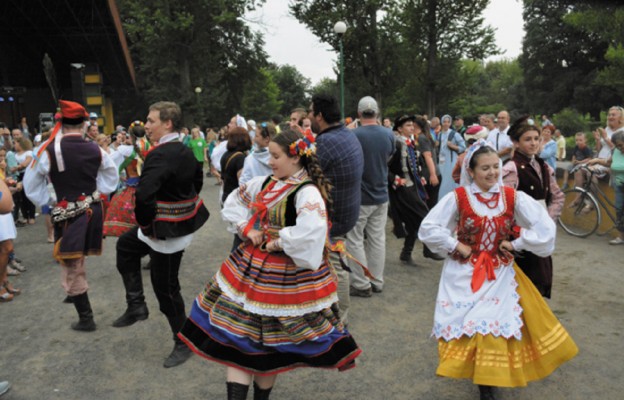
x=342, y=161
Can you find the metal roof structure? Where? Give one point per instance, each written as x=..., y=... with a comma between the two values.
x=69, y=31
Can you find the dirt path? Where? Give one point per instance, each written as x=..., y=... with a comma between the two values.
x=44, y=359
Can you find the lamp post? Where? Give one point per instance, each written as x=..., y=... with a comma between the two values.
x=340, y=28
x=198, y=91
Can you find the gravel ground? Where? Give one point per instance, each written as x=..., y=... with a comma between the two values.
x=44, y=359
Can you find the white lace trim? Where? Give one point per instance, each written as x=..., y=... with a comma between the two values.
x=483, y=326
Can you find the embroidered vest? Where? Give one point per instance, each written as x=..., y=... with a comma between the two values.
x=529, y=181
x=484, y=234
x=82, y=161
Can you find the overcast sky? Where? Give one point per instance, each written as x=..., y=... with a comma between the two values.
x=289, y=42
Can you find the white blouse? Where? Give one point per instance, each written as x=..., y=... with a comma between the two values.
x=36, y=183
x=304, y=242
x=494, y=308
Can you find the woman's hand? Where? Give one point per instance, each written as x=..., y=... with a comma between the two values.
x=273, y=246
x=256, y=236
x=463, y=249
x=506, y=245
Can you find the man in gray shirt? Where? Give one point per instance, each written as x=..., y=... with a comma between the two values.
x=377, y=145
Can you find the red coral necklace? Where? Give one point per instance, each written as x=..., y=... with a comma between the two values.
x=490, y=203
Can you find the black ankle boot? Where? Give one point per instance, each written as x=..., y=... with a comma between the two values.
x=137, y=309
x=83, y=306
x=427, y=253
x=261, y=394
x=236, y=391
x=486, y=392
x=179, y=355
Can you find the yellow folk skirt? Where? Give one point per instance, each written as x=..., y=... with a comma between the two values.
x=496, y=361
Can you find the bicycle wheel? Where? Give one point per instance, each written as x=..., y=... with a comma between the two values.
x=580, y=215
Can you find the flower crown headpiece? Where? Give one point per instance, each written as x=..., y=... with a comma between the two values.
x=305, y=146
x=135, y=123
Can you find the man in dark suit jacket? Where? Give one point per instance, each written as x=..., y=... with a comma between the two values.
x=168, y=211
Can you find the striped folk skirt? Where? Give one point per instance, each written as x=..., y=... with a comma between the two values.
x=262, y=314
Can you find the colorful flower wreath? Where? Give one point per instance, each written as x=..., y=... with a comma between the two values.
x=304, y=146
x=135, y=123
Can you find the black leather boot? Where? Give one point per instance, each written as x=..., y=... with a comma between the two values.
x=427, y=253
x=83, y=306
x=179, y=355
x=181, y=352
x=261, y=394
x=486, y=392
x=137, y=309
x=236, y=391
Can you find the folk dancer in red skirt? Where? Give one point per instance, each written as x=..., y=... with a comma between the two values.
x=120, y=214
x=272, y=305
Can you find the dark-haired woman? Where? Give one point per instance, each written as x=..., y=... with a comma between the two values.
x=271, y=307
x=232, y=162
x=120, y=214
x=529, y=173
x=492, y=325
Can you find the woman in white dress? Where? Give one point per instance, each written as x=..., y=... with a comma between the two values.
x=492, y=325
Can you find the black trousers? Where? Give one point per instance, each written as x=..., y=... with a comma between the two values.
x=163, y=272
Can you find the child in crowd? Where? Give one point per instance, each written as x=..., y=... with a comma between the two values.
x=581, y=154
x=7, y=234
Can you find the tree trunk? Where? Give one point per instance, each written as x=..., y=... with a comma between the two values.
x=432, y=55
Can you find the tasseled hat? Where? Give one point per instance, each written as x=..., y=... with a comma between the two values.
x=70, y=113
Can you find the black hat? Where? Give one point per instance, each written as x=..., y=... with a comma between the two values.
x=399, y=121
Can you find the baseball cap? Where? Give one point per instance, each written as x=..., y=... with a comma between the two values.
x=368, y=105
x=93, y=115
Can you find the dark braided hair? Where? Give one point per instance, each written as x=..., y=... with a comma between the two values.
x=310, y=163
x=137, y=131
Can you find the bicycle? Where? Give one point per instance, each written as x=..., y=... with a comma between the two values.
x=581, y=215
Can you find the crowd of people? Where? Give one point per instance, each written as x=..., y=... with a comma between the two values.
x=307, y=202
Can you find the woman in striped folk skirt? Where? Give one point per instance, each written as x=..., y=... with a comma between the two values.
x=272, y=305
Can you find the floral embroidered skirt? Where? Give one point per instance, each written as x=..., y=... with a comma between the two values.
x=262, y=314
x=497, y=361
x=120, y=214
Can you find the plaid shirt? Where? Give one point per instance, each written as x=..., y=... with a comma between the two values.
x=342, y=161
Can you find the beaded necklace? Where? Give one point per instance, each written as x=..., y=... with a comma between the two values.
x=490, y=203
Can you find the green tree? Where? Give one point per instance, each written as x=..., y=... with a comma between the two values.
x=560, y=61
x=438, y=34
x=369, y=47
x=179, y=45
x=293, y=87
x=605, y=19
x=261, y=99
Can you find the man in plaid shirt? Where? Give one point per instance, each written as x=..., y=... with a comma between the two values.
x=342, y=161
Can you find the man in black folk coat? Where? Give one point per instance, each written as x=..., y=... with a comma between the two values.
x=168, y=211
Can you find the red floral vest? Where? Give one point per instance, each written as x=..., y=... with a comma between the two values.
x=484, y=234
